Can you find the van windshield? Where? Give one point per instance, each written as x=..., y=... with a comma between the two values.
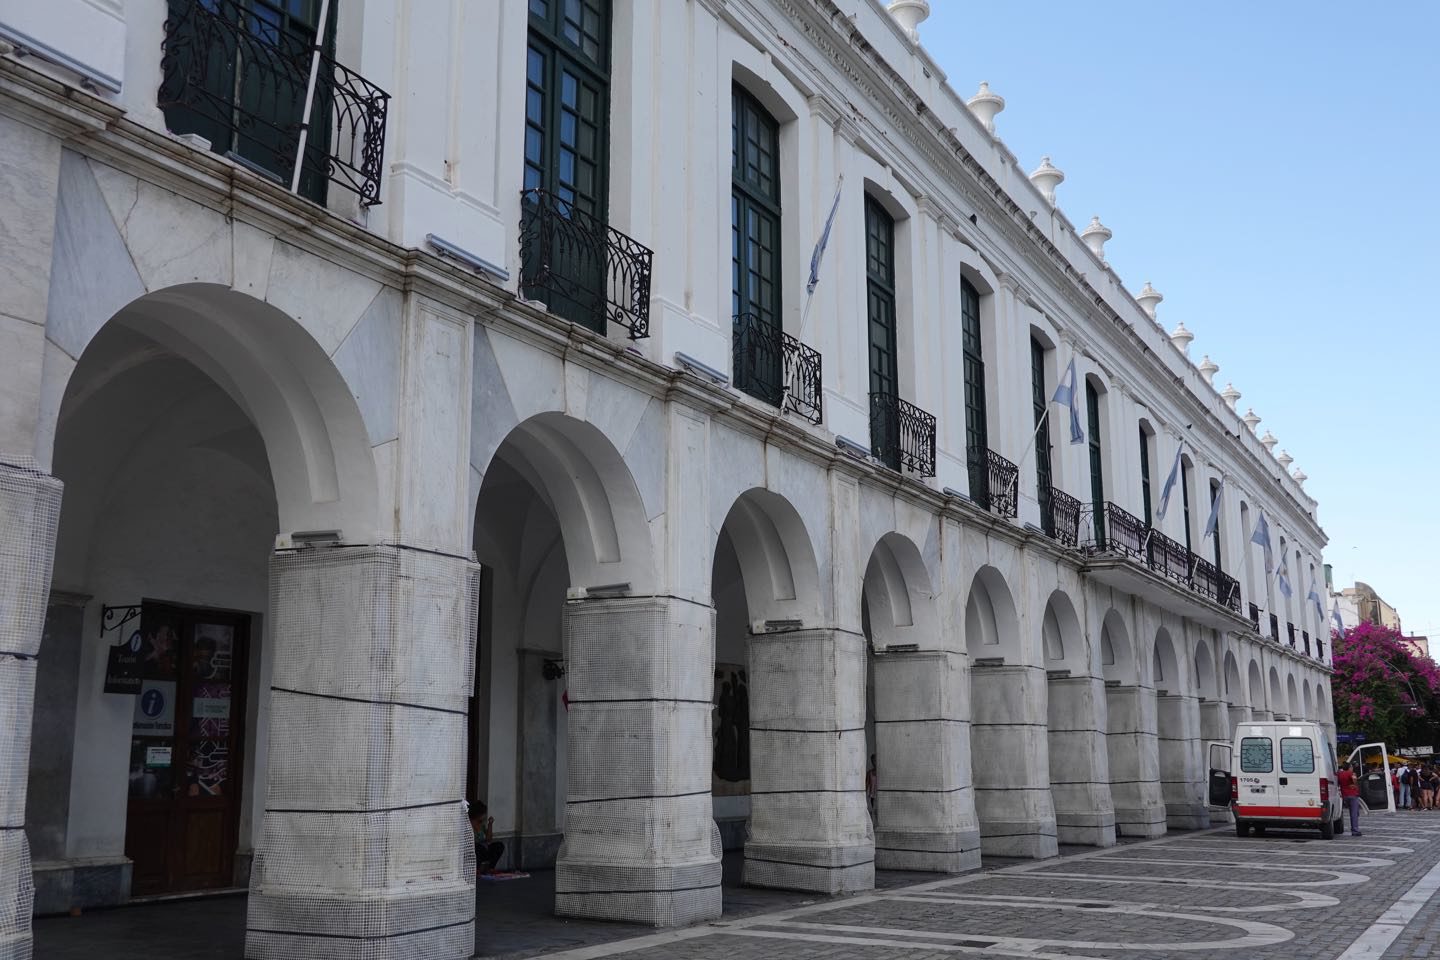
x=1297, y=755
x=1257, y=755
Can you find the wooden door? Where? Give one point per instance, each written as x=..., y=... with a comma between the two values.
x=186, y=747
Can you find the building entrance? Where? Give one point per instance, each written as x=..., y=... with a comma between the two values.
x=186, y=747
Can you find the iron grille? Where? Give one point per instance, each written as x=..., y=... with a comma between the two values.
x=1305, y=637
x=582, y=268
x=771, y=366
x=1205, y=579
x=1290, y=634
x=1168, y=557
x=231, y=72
x=1229, y=593
x=1274, y=628
x=1063, y=518
x=1255, y=617
x=1002, y=477
x=1120, y=531
x=902, y=436
x=1319, y=649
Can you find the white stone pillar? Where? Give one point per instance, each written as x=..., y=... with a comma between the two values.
x=364, y=850
x=1079, y=762
x=809, y=826
x=1238, y=715
x=29, y=516
x=1134, y=761
x=1011, y=761
x=641, y=843
x=926, y=804
x=1182, y=773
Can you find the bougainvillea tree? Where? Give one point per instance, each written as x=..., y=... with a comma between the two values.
x=1382, y=687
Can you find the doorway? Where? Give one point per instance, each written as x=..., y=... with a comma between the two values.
x=186, y=749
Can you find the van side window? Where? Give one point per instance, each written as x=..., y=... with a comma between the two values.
x=1297, y=755
x=1257, y=755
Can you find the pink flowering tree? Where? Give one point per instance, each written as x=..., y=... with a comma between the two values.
x=1384, y=688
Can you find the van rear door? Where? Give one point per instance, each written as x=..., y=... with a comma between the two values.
x=1220, y=794
x=1372, y=768
x=1299, y=780
x=1255, y=781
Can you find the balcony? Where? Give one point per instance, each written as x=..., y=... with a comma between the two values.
x=775, y=368
x=1060, y=517
x=1305, y=638
x=237, y=74
x=1255, y=617
x=1290, y=634
x=1319, y=649
x=1128, y=555
x=993, y=481
x=902, y=436
x=1274, y=628
x=581, y=268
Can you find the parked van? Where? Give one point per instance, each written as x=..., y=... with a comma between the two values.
x=1277, y=773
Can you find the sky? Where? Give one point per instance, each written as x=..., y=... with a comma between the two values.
x=1274, y=169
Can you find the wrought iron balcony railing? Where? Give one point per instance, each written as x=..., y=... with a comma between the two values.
x=1062, y=518
x=993, y=481
x=1168, y=557
x=1319, y=649
x=1229, y=592
x=1290, y=634
x=583, y=269
x=1255, y=617
x=1305, y=638
x=1117, y=530
x=902, y=436
x=1274, y=628
x=237, y=73
x=776, y=368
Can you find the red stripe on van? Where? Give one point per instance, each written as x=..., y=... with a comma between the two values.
x=1286, y=813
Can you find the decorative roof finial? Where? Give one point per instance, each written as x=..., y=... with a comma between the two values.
x=1285, y=459
x=1208, y=368
x=1300, y=476
x=1181, y=338
x=1095, y=236
x=985, y=104
x=1269, y=441
x=1251, y=419
x=1149, y=298
x=909, y=14
x=1230, y=395
x=1046, y=178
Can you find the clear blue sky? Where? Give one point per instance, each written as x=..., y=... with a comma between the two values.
x=1274, y=169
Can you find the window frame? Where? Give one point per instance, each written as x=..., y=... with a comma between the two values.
x=1309, y=754
x=1270, y=743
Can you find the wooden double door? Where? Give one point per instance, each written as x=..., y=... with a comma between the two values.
x=186, y=748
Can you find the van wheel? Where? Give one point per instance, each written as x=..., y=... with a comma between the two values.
x=1327, y=830
x=1338, y=827
x=1242, y=829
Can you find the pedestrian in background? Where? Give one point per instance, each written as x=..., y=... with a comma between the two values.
x=1350, y=796
x=1405, y=783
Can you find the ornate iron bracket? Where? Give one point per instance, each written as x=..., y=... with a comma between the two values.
x=113, y=618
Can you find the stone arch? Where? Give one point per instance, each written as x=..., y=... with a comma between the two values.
x=586, y=483
x=992, y=626
x=1061, y=636
x=898, y=597
x=1309, y=702
x=315, y=437
x=1165, y=673
x=1277, y=693
x=1232, y=691
x=1117, y=657
x=1322, y=704
x=1256, y=681
x=1206, y=684
x=776, y=557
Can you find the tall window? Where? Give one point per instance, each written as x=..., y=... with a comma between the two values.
x=249, y=98
x=567, y=141
x=977, y=440
x=755, y=247
x=1215, y=537
x=1039, y=400
x=1185, y=497
x=1097, y=479
x=880, y=308
x=1145, y=473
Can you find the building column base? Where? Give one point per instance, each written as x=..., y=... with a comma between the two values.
x=815, y=868
x=670, y=895
x=1086, y=830
x=383, y=925
x=1148, y=822
x=1030, y=839
x=1187, y=816
x=954, y=852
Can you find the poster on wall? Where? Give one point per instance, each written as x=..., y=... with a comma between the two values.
x=122, y=665
x=730, y=728
x=155, y=709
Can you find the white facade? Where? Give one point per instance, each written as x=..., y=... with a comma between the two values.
x=376, y=455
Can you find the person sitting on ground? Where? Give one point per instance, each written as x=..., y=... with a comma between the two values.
x=488, y=850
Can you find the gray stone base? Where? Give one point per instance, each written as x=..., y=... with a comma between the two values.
x=537, y=852
x=815, y=868
x=667, y=896
x=1187, y=816
x=1085, y=830
x=395, y=926
x=1146, y=823
x=1030, y=839
x=1220, y=815
x=16, y=946
x=928, y=852
x=65, y=885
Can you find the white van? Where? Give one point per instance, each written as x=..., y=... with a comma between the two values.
x=1277, y=773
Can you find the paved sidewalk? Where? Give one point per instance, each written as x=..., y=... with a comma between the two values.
x=1197, y=896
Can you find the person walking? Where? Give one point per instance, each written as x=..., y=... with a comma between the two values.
x=1350, y=796
x=1406, y=782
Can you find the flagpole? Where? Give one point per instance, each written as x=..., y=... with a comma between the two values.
x=1030, y=445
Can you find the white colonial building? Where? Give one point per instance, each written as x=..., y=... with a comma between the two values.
x=496, y=450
